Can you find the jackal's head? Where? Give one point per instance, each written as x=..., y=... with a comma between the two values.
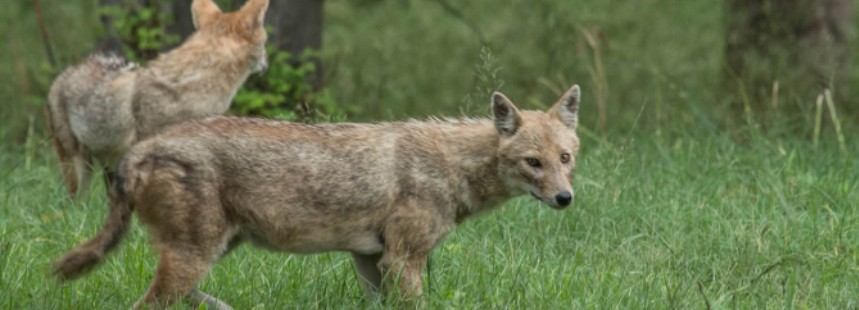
x=245, y=25
x=537, y=150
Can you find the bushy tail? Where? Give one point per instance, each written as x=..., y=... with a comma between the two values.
x=83, y=258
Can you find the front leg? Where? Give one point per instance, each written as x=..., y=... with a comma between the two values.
x=369, y=274
x=403, y=271
x=409, y=236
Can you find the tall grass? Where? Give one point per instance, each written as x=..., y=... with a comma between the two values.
x=625, y=51
x=681, y=222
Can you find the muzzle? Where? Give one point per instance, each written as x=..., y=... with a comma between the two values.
x=262, y=66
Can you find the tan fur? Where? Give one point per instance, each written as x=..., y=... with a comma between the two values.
x=387, y=193
x=98, y=109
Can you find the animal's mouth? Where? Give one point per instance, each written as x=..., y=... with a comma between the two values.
x=262, y=66
x=551, y=204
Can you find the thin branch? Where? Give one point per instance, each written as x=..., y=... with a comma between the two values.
x=37, y=7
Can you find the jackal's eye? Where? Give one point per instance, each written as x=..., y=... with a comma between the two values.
x=565, y=158
x=533, y=162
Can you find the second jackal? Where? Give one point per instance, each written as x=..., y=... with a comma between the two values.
x=99, y=108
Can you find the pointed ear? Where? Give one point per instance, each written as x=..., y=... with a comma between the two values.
x=567, y=108
x=204, y=12
x=506, y=115
x=256, y=9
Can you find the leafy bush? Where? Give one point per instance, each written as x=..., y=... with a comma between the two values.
x=141, y=27
x=284, y=91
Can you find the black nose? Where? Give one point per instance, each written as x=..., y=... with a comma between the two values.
x=564, y=198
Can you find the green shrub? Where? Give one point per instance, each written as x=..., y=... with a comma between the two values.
x=284, y=91
x=142, y=28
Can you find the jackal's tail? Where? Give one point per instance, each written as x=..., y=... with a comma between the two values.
x=83, y=258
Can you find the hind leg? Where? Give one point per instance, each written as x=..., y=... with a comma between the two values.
x=75, y=164
x=77, y=172
x=185, y=257
x=83, y=173
x=179, y=270
x=181, y=209
x=74, y=167
x=70, y=175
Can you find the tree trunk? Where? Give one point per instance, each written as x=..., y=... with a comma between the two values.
x=111, y=41
x=183, y=22
x=804, y=45
x=296, y=26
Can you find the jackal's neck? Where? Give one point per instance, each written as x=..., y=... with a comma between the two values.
x=473, y=151
x=218, y=66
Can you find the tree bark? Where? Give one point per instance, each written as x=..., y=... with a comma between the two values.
x=296, y=26
x=803, y=44
x=183, y=22
x=111, y=41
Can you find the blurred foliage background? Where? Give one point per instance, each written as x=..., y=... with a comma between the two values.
x=654, y=66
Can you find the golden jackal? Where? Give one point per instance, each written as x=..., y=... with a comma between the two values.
x=99, y=108
x=386, y=192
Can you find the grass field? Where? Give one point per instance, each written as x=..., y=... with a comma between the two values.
x=681, y=202
x=686, y=222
